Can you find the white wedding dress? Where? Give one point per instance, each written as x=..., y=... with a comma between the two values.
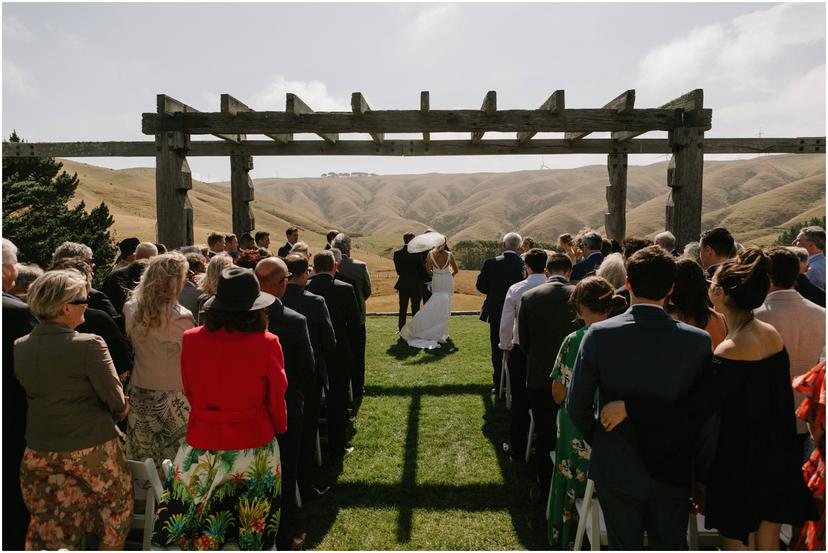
x=429, y=327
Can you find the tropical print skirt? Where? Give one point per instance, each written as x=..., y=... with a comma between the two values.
x=70, y=493
x=156, y=424
x=214, y=498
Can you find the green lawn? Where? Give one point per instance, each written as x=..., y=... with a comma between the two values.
x=428, y=471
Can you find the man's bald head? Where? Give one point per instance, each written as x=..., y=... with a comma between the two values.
x=272, y=273
x=145, y=250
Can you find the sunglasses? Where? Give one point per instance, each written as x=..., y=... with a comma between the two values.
x=84, y=301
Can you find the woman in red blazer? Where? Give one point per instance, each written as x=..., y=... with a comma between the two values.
x=225, y=486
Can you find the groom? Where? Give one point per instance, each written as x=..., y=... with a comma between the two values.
x=411, y=277
x=495, y=278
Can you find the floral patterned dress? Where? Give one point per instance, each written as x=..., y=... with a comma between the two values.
x=219, y=497
x=572, y=457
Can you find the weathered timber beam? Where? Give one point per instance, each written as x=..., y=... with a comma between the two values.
x=624, y=103
x=692, y=101
x=360, y=107
x=568, y=120
x=170, y=106
x=211, y=148
x=241, y=185
x=425, y=106
x=489, y=106
x=233, y=106
x=555, y=104
x=296, y=108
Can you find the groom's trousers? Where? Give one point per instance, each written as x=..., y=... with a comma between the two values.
x=414, y=296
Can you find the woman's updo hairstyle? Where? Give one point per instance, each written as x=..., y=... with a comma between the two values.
x=596, y=294
x=745, y=280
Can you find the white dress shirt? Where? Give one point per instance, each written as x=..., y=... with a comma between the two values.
x=511, y=307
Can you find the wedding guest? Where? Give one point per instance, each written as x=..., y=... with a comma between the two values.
x=329, y=238
x=74, y=475
x=642, y=468
x=527, y=244
x=323, y=341
x=546, y=317
x=748, y=499
x=126, y=255
x=215, y=241
x=246, y=242
x=97, y=299
x=688, y=302
x=209, y=282
x=805, y=287
x=262, y=239
x=593, y=299
x=301, y=248
x=411, y=275
x=233, y=374
x=231, y=245
x=591, y=244
x=357, y=272
x=612, y=269
x=715, y=246
x=693, y=251
x=155, y=323
x=18, y=321
x=567, y=244
x=813, y=240
x=292, y=234
x=160, y=247
x=196, y=266
x=515, y=356
x=495, y=278
x=800, y=323
x=632, y=244
x=248, y=259
x=120, y=282
x=606, y=247
x=26, y=274
x=667, y=241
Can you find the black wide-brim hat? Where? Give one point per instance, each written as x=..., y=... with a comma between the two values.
x=128, y=245
x=238, y=290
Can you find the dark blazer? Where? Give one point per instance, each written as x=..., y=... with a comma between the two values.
x=99, y=323
x=587, y=266
x=544, y=320
x=356, y=273
x=99, y=300
x=292, y=330
x=342, y=305
x=411, y=272
x=495, y=278
x=320, y=327
x=662, y=365
x=285, y=250
x=810, y=291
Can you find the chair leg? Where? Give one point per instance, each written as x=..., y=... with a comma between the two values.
x=318, y=448
x=531, y=437
x=298, y=497
x=585, y=512
x=508, y=386
x=504, y=368
x=693, y=532
x=596, y=534
x=551, y=482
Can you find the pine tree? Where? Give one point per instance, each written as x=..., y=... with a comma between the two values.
x=37, y=216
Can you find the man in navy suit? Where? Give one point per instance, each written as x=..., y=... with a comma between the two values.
x=591, y=244
x=495, y=278
x=411, y=275
x=647, y=369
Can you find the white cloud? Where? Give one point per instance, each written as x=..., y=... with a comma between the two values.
x=430, y=27
x=314, y=93
x=14, y=29
x=17, y=81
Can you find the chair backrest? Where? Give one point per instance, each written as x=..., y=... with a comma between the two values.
x=144, y=472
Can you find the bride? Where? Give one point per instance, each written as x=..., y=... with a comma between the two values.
x=429, y=327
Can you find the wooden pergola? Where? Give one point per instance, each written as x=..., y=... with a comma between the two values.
x=684, y=118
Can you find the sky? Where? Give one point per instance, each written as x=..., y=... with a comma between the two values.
x=86, y=72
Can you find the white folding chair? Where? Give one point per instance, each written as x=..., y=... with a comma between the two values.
x=145, y=479
x=298, y=497
x=506, y=383
x=318, y=448
x=549, y=497
x=531, y=437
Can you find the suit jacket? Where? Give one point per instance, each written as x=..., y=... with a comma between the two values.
x=18, y=321
x=495, y=278
x=357, y=273
x=662, y=365
x=411, y=273
x=99, y=300
x=115, y=286
x=285, y=250
x=802, y=326
x=189, y=298
x=342, y=305
x=99, y=323
x=545, y=318
x=587, y=266
x=320, y=327
x=810, y=291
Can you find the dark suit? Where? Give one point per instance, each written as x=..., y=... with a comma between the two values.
x=323, y=341
x=99, y=300
x=292, y=330
x=411, y=276
x=586, y=267
x=115, y=286
x=99, y=323
x=344, y=310
x=810, y=291
x=545, y=319
x=642, y=473
x=18, y=321
x=356, y=273
x=495, y=278
x=285, y=250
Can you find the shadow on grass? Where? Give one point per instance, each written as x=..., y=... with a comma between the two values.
x=528, y=519
x=401, y=351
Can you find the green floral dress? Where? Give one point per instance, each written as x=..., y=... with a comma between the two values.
x=220, y=497
x=572, y=457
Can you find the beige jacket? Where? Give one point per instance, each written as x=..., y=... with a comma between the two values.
x=802, y=326
x=71, y=386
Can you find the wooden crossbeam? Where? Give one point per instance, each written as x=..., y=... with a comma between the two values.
x=555, y=104
x=170, y=106
x=624, y=103
x=489, y=106
x=233, y=106
x=693, y=101
x=391, y=121
x=425, y=106
x=360, y=107
x=295, y=107
x=212, y=148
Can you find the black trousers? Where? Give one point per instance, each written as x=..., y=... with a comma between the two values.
x=663, y=517
x=337, y=407
x=545, y=412
x=409, y=295
x=310, y=425
x=290, y=451
x=497, y=353
x=520, y=401
x=15, y=514
x=358, y=367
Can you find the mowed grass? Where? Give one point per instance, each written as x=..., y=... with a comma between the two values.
x=428, y=471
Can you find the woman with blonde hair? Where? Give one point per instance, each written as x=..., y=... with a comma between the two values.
x=155, y=323
x=209, y=280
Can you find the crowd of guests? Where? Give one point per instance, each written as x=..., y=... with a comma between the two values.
x=224, y=358
x=675, y=380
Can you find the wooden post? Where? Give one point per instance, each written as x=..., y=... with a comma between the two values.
x=615, y=220
x=241, y=185
x=173, y=179
x=684, y=177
